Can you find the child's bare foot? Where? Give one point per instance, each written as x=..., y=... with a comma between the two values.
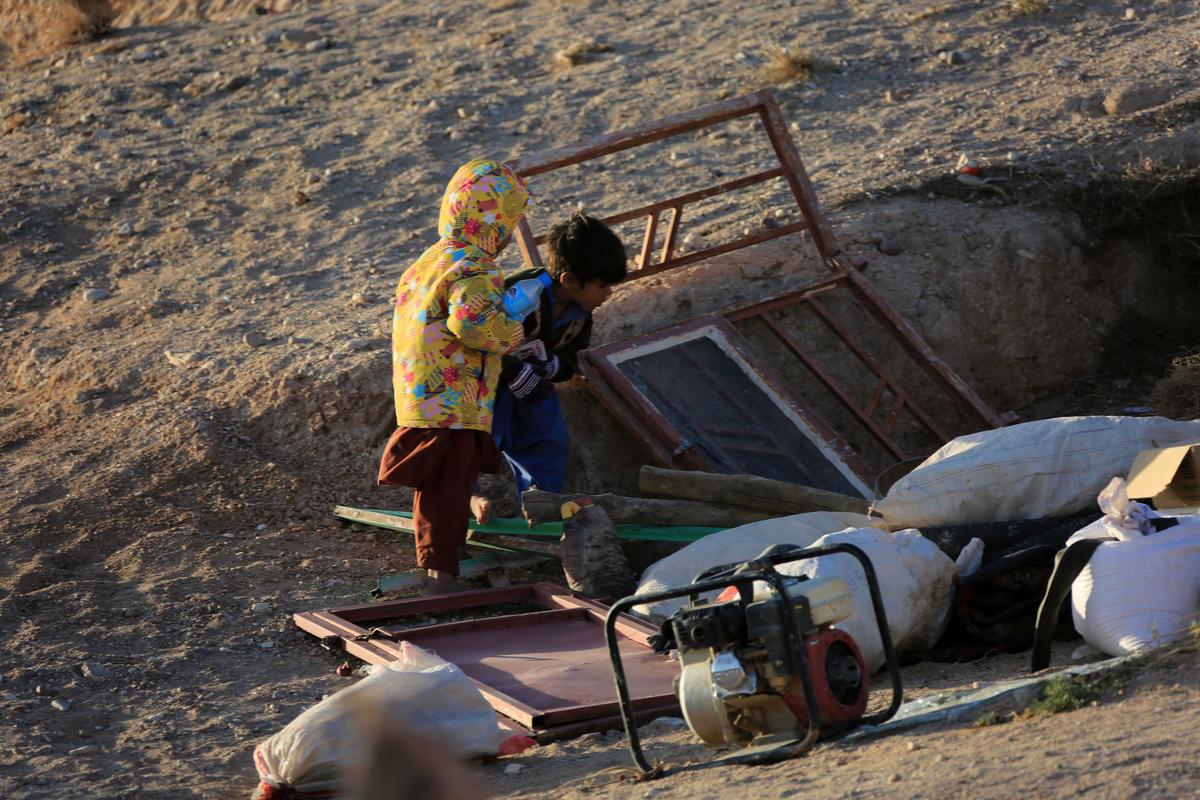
x=481, y=507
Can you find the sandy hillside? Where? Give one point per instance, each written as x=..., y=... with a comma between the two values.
x=202, y=223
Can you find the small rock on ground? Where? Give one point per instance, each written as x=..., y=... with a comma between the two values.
x=94, y=670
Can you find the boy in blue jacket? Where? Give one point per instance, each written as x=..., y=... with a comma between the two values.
x=585, y=259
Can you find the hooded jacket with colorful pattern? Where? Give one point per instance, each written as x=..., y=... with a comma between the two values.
x=448, y=332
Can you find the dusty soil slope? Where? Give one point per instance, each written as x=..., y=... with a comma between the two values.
x=33, y=29
x=200, y=231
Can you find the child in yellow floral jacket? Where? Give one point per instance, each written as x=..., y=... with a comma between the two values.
x=448, y=337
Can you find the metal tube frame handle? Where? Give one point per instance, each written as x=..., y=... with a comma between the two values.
x=743, y=575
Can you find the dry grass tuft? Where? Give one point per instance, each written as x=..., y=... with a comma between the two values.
x=1025, y=8
x=1178, y=395
x=33, y=29
x=788, y=66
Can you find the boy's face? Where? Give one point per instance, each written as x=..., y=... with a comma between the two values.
x=588, y=294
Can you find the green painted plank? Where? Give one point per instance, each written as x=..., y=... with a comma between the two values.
x=402, y=521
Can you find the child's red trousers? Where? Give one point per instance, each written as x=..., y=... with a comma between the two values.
x=442, y=466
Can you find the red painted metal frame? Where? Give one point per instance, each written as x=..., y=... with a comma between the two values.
x=923, y=355
x=761, y=104
x=602, y=359
x=644, y=422
x=344, y=628
x=666, y=444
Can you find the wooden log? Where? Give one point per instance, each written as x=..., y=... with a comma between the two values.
x=542, y=507
x=593, y=562
x=748, y=491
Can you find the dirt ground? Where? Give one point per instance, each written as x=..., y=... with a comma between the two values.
x=1125, y=746
x=201, y=225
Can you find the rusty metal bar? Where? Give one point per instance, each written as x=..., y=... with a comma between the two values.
x=797, y=178
x=703, y=117
x=920, y=351
x=897, y=407
x=648, y=240
x=631, y=627
x=690, y=197
x=876, y=395
x=873, y=365
x=716, y=250
x=827, y=381
x=382, y=651
x=672, y=231
x=487, y=623
x=613, y=722
x=554, y=717
x=816, y=425
x=787, y=299
x=432, y=605
x=528, y=244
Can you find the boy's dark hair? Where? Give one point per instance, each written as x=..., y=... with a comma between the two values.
x=587, y=248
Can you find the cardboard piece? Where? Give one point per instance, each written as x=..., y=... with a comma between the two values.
x=1167, y=477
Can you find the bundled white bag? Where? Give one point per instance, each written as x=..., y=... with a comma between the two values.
x=736, y=544
x=915, y=577
x=1142, y=590
x=916, y=580
x=1123, y=519
x=1045, y=468
x=428, y=697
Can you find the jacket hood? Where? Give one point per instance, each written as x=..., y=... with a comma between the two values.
x=483, y=203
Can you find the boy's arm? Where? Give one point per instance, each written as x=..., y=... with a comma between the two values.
x=475, y=317
x=568, y=354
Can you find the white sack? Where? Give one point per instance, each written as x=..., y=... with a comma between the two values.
x=1141, y=593
x=732, y=546
x=1143, y=590
x=915, y=579
x=1046, y=468
x=428, y=696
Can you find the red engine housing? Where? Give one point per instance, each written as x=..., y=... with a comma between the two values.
x=839, y=677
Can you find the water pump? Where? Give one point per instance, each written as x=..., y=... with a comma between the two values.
x=762, y=666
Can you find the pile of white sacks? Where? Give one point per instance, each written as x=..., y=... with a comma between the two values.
x=1139, y=591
